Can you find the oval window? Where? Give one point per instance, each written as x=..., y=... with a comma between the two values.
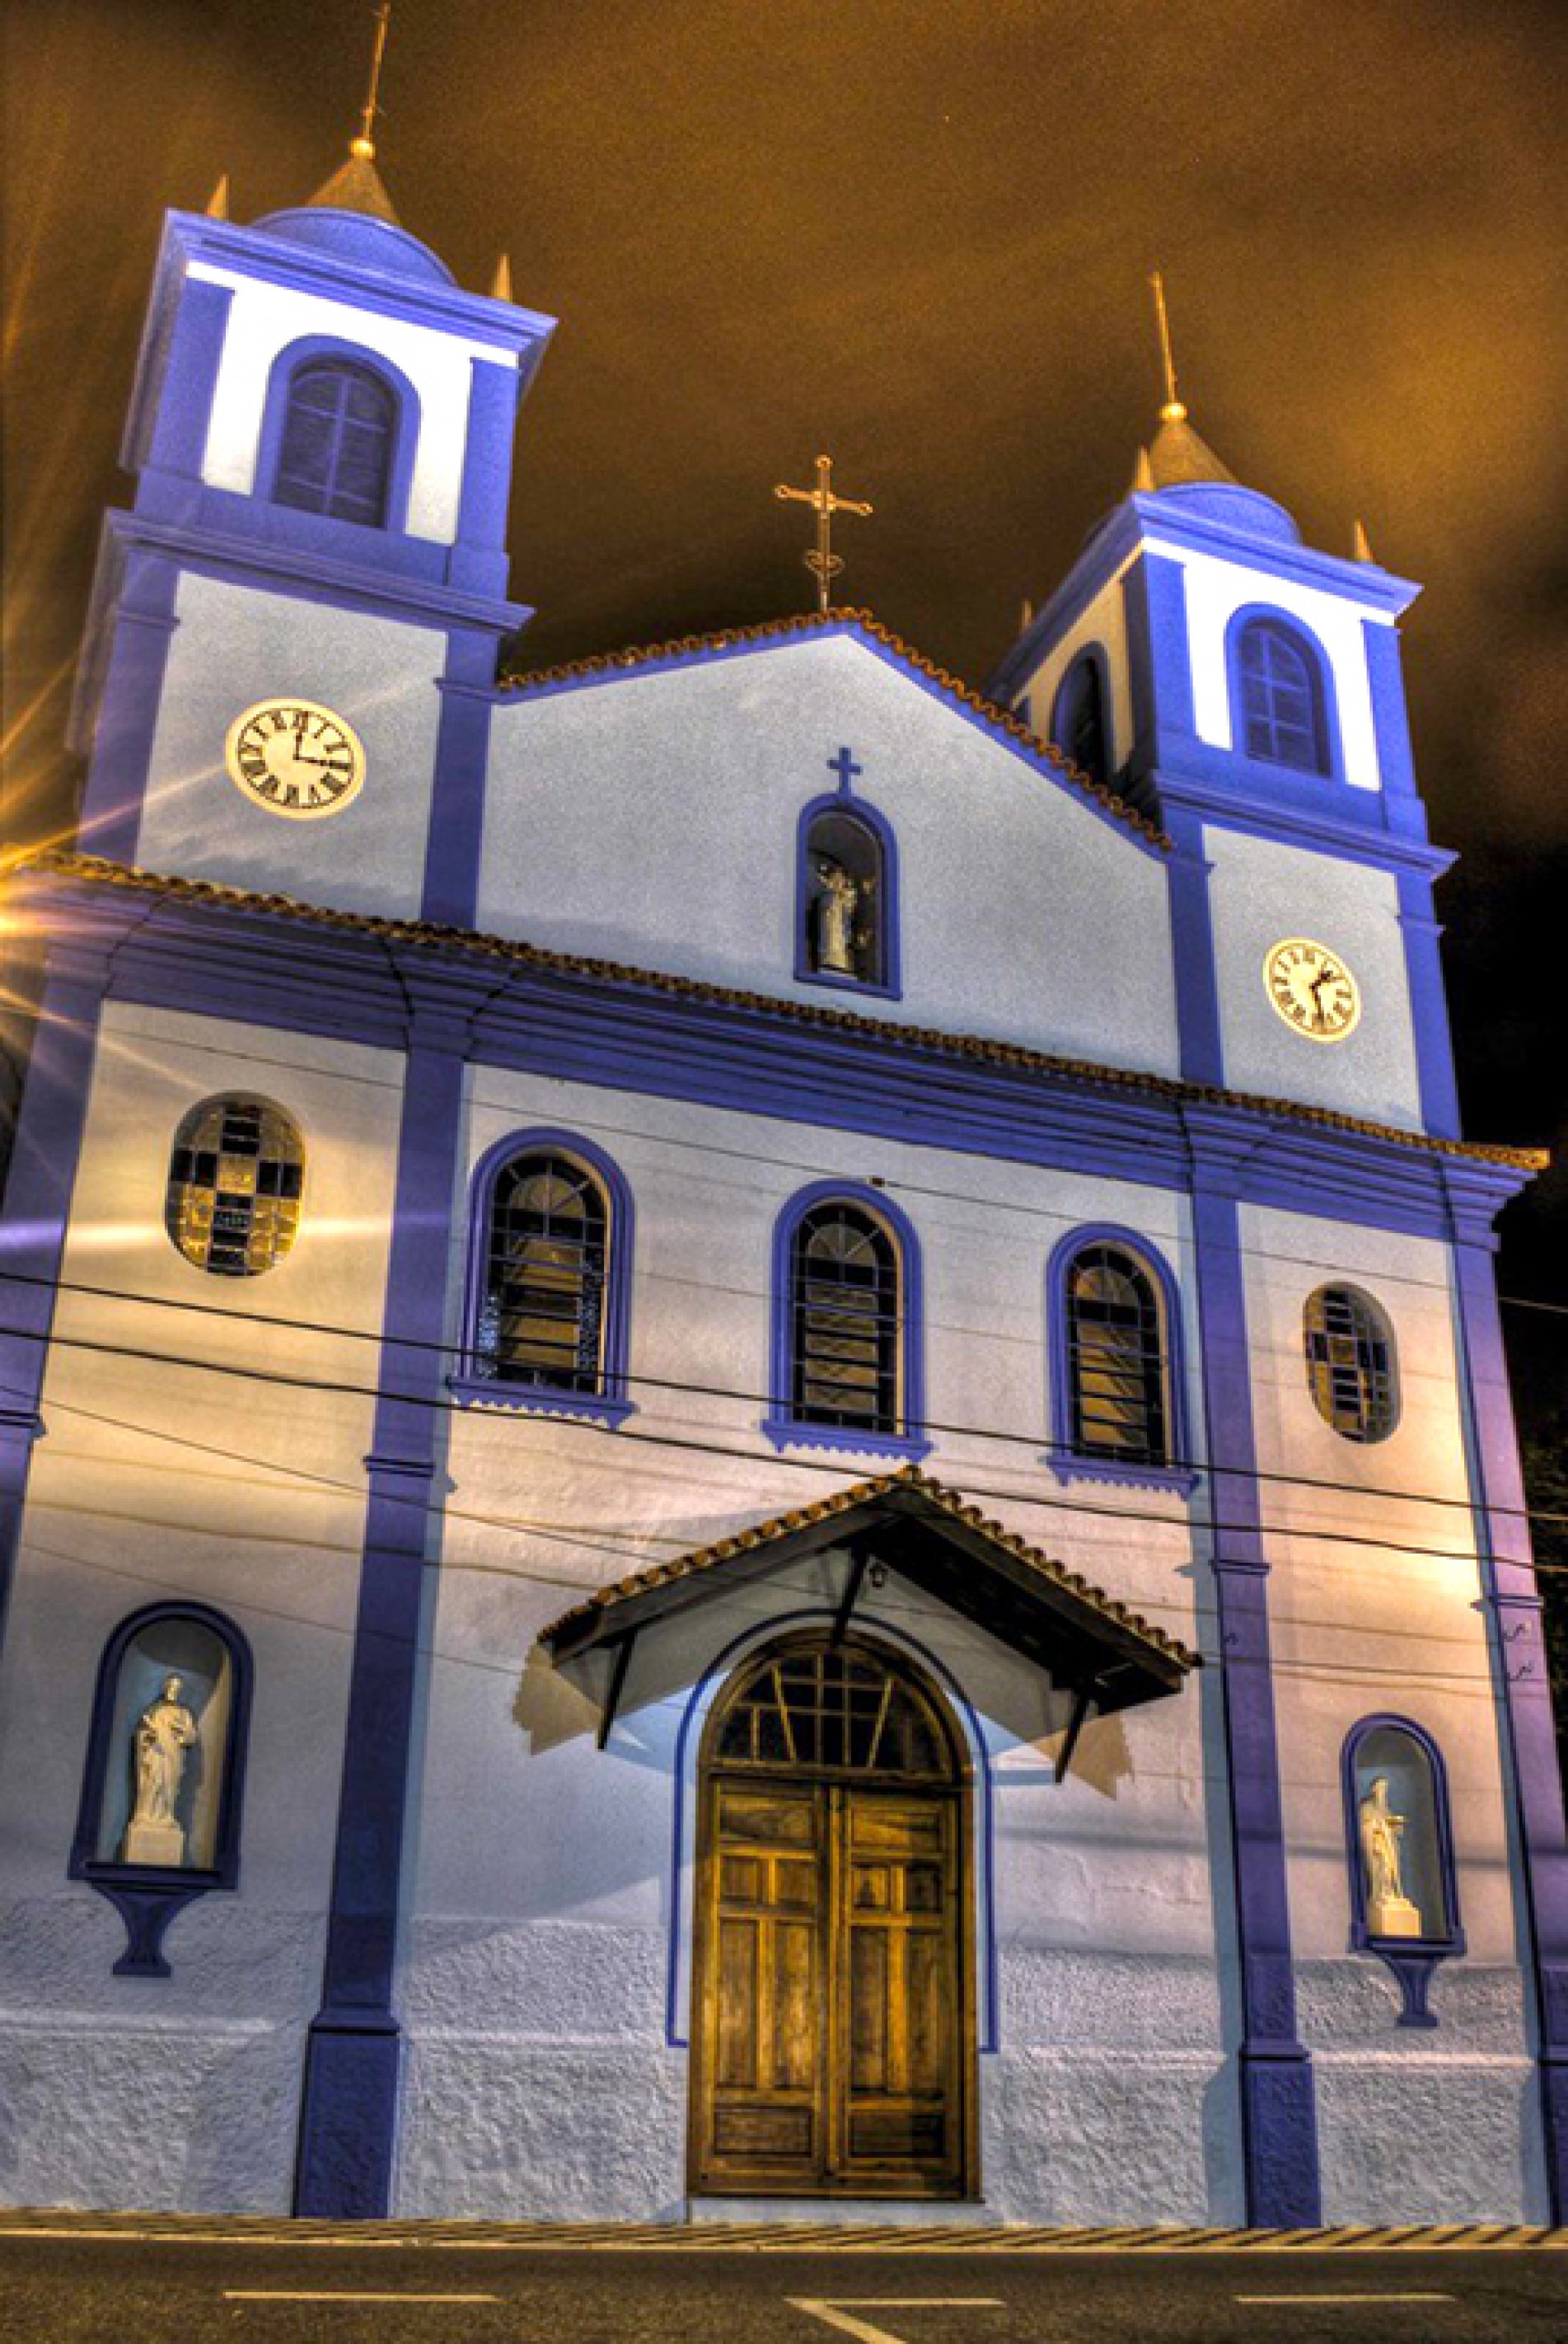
x=235, y=1180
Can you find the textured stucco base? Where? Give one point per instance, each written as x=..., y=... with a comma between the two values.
x=192, y=2118
x=1446, y=2139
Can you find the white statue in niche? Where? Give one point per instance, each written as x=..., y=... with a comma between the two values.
x=1389, y=1912
x=836, y=918
x=165, y=1734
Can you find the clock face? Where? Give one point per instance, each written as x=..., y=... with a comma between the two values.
x=295, y=759
x=1313, y=990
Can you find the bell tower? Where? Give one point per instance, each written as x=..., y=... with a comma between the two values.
x=310, y=587
x=1243, y=690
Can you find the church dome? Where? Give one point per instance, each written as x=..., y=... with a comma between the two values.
x=351, y=216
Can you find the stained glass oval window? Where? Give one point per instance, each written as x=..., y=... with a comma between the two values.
x=235, y=1180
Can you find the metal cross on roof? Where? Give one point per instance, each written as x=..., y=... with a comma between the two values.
x=821, y=560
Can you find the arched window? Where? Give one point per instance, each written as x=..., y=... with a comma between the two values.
x=1280, y=686
x=236, y=1175
x=846, y=1349
x=846, y=908
x=1079, y=724
x=1350, y=1356
x=551, y=1282
x=160, y=1813
x=1117, y=1364
x=335, y=451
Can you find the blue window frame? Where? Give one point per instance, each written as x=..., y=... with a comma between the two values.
x=1118, y=1407
x=1279, y=682
x=846, y=1368
x=336, y=449
x=549, y=1280
x=1080, y=725
x=1399, y=1844
x=177, y=1678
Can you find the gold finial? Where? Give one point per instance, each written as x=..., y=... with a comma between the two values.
x=1361, y=550
x=217, y=202
x=363, y=148
x=1172, y=411
x=501, y=283
x=1026, y=616
x=1143, y=475
x=821, y=560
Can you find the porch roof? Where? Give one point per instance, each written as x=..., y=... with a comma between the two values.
x=915, y=1526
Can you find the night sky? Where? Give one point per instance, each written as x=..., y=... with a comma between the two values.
x=915, y=233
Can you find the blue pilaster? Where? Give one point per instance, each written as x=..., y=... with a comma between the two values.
x=1518, y=1656
x=171, y=476
x=42, y=1175
x=143, y=622
x=1279, y=2117
x=468, y=689
x=1200, y=1030
x=349, y=2114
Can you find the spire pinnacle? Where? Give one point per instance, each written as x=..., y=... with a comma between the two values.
x=501, y=283
x=1143, y=475
x=364, y=147
x=1361, y=549
x=217, y=202
x=1172, y=411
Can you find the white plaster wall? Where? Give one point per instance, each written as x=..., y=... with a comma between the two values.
x=652, y=818
x=264, y=319
x=1375, y=1609
x=1260, y=892
x=1102, y=621
x=551, y=1929
x=1217, y=589
x=237, y=645
x=155, y=1482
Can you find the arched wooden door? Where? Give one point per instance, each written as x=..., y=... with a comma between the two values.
x=833, y=2037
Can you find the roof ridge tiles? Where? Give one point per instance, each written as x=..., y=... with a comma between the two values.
x=1045, y=753
x=435, y=936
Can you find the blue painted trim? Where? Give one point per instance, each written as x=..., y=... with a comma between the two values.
x=1532, y=1781
x=1066, y=1461
x=982, y=717
x=336, y=275
x=1161, y=682
x=1148, y=521
x=1278, y=2123
x=1412, y=1960
x=1321, y=682
x=1428, y=1006
x=259, y=965
x=349, y=2103
x=45, y=1154
x=177, y=428
x=780, y=1424
x=888, y=984
x=1199, y=1024
x=612, y=1404
x=138, y=631
x=493, y=396
x=695, y=1712
x=454, y=838
x=1391, y=723
x=1304, y=810
x=1090, y=656
x=312, y=349
x=148, y=1897
x=359, y=239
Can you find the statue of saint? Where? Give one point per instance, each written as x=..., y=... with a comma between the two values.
x=165, y=1732
x=1389, y=1912
x=835, y=919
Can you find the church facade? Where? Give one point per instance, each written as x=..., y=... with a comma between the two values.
x=756, y=1452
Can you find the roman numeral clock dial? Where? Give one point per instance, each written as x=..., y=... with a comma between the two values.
x=1311, y=989
x=295, y=759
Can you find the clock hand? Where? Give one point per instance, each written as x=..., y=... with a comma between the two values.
x=333, y=762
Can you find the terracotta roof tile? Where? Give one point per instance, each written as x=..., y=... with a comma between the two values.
x=469, y=943
x=1044, y=753
x=842, y=1502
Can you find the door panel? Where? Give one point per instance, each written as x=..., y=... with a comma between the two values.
x=831, y=2037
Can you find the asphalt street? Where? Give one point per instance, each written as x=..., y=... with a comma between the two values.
x=69, y=2290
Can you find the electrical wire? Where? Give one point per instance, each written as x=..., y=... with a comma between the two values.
x=1099, y=1512
x=1543, y=1516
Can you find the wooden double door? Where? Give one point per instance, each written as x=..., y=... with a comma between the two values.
x=833, y=2045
